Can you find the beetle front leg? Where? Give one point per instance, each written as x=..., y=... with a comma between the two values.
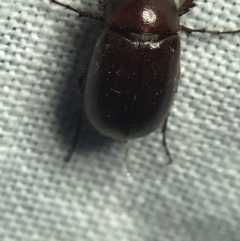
x=185, y=7
x=204, y=30
x=78, y=11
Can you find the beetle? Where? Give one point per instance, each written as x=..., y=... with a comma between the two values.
x=133, y=74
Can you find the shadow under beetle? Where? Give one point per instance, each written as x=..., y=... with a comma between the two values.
x=133, y=74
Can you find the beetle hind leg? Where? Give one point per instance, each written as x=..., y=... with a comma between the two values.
x=126, y=161
x=73, y=145
x=165, y=145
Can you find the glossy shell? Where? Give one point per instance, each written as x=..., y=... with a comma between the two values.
x=133, y=73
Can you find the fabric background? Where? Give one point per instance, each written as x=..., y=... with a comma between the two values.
x=43, y=49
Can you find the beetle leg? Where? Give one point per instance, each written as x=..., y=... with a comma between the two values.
x=185, y=7
x=126, y=162
x=78, y=11
x=73, y=145
x=81, y=85
x=164, y=142
x=102, y=3
x=81, y=82
x=204, y=30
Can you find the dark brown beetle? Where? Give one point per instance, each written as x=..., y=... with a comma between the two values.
x=133, y=74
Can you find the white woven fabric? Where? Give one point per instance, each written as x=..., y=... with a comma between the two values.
x=43, y=49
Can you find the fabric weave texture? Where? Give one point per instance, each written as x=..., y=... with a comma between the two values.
x=43, y=50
